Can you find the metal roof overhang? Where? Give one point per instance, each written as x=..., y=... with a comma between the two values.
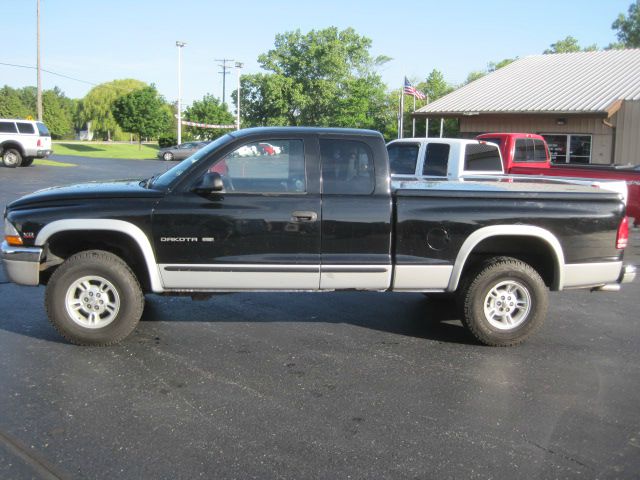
x=606, y=113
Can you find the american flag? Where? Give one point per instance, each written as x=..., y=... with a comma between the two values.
x=411, y=90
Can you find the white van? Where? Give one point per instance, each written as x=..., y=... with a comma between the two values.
x=23, y=140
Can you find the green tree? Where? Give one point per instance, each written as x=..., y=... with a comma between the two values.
x=208, y=110
x=475, y=75
x=11, y=104
x=143, y=112
x=58, y=113
x=569, y=45
x=268, y=100
x=28, y=98
x=58, y=110
x=435, y=86
x=97, y=106
x=628, y=28
x=324, y=77
x=491, y=67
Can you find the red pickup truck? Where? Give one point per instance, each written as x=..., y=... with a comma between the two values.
x=528, y=154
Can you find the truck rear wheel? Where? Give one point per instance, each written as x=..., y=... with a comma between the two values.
x=504, y=302
x=11, y=158
x=94, y=298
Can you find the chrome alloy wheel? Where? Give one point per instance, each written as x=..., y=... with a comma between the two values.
x=507, y=305
x=92, y=302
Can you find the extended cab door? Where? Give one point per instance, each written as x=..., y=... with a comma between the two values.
x=356, y=214
x=261, y=232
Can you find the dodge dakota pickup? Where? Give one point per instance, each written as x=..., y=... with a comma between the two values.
x=319, y=215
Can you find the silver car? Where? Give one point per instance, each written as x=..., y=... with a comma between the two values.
x=180, y=152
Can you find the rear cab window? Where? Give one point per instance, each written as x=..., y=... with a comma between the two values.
x=529, y=150
x=539, y=151
x=436, y=159
x=482, y=157
x=347, y=167
x=403, y=158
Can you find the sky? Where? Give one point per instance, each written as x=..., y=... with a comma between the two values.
x=98, y=41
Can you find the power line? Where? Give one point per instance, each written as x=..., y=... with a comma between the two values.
x=48, y=71
x=224, y=73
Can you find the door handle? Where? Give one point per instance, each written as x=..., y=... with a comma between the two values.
x=301, y=217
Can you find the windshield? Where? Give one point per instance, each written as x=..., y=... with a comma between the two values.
x=170, y=175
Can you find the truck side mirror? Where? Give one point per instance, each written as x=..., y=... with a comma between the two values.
x=210, y=182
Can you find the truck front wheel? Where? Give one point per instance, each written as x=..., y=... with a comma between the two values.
x=504, y=303
x=94, y=298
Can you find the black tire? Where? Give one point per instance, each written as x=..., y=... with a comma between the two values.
x=167, y=156
x=504, y=302
x=12, y=158
x=27, y=161
x=98, y=274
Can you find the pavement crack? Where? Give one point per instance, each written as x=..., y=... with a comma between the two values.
x=560, y=454
x=44, y=469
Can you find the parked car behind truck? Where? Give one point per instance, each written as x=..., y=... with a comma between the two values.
x=528, y=154
x=451, y=158
x=320, y=215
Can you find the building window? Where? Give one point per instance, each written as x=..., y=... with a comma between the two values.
x=572, y=148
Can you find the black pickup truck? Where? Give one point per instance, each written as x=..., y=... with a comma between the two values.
x=310, y=209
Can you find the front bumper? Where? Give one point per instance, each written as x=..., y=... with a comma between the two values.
x=22, y=264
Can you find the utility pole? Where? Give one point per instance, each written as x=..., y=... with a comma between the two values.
x=239, y=65
x=180, y=44
x=224, y=73
x=39, y=95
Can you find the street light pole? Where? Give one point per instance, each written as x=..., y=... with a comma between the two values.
x=180, y=45
x=39, y=93
x=239, y=66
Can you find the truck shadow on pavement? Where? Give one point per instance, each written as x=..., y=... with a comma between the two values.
x=411, y=315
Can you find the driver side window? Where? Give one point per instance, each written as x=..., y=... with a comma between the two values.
x=269, y=166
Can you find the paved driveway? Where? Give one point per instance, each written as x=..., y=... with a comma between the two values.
x=335, y=385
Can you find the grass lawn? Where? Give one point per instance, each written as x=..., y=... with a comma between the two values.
x=53, y=163
x=106, y=150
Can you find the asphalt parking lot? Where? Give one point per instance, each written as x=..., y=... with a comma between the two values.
x=334, y=385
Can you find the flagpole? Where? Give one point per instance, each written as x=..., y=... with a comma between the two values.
x=398, y=119
x=413, y=132
x=426, y=122
x=400, y=133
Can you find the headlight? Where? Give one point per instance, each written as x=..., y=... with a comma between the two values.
x=11, y=235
